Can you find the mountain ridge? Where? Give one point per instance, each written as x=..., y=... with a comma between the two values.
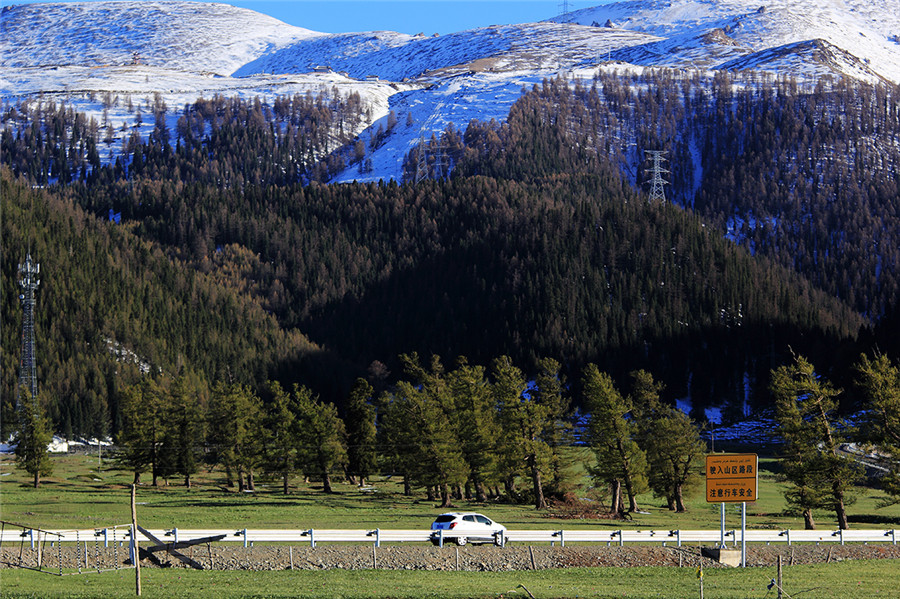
x=185, y=50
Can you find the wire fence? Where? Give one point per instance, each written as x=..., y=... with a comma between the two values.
x=88, y=550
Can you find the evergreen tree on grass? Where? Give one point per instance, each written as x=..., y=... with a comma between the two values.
x=281, y=431
x=818, y=474
x=880, y=382
x=620, y=461
x=361, y=432
x=32, y=437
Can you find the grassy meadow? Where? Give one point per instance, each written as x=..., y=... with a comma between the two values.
x=84, y=492
x=843, y=580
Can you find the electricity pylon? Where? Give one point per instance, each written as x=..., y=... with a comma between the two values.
x=657, y=171
x=422, y=158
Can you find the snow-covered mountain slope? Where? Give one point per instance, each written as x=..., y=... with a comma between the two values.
x=81, y=52
x=523, y=47
x=866, y=30
x=186, y=36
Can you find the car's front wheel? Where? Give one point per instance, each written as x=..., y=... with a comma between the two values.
x=461, y=541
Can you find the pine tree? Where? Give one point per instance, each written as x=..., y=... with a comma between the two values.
x=235, y=435
x=185, y=425
x=361, y=432
x=397, y=440
x=818, y=474
x=670, y=440
x=425, y=403
x=612, y=433
x=508, y=388
x=475, y=423
x=32, y=437
x=280, y=425
x=550, y=393
x=880, y=382
x=140, y=441
x=322, y=437
x=524, y=422
x=674, y=457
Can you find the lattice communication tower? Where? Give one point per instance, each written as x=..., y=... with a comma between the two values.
x=657, y=171
x=28, y=279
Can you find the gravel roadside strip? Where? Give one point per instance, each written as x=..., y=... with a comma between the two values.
x=468, y=558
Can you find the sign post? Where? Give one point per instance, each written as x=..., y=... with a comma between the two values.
x=743, y=534
x=733, y=478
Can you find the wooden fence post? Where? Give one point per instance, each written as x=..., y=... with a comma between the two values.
x=778, y=577
x=137, y=552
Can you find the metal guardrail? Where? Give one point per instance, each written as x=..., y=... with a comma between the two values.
x=378, y=536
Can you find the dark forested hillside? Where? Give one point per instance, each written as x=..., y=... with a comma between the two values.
x=536, y=247
x=807, y=176
x=111, y=305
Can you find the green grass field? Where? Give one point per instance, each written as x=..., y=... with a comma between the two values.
x=845, y=580
x=82, y=494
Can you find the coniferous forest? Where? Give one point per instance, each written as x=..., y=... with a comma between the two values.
x=230, y=257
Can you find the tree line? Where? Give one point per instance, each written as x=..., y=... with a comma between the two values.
x=223, y=142
x=468, y=432
x=465, y=432
x=474, y=432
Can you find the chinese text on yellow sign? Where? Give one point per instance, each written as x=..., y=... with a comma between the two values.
x=731, y=477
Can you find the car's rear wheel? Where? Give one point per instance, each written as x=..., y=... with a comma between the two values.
x=461, y=541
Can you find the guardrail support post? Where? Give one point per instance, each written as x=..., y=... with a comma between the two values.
x=841, y=532
x=894, y=535
x=678, y=536
x=106, y=537
x=378, y=537
x=722, y=526
x=312, y=538
x=441, y=538
x=244, y=533
x=31, y=537
x=562, y=538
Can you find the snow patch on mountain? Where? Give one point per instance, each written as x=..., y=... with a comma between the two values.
x=187, y=36
x=864, y=29
x=85, y=54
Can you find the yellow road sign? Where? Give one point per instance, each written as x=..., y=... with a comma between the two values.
x=731, y=477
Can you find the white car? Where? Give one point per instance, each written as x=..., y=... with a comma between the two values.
x=466, y=527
